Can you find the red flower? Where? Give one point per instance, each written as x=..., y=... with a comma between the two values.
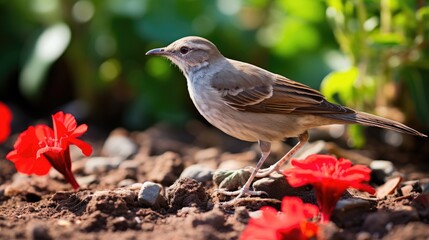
x=5, y=119
x=38, y=148
x=330, y=178
x=290, y=223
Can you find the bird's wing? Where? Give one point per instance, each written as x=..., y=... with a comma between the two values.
x=245, y=87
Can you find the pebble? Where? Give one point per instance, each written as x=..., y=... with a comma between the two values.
x=381, y=170
x=118, y=144
x=276, y=186
x=126, y=182
x=130, y=165
x=207, y=154
x=150, y=194
x=232, y=165
x=134, y=186
x=101, y=164
x=84, y=181
x=198, y=172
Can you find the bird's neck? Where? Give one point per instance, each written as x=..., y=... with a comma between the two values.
x=204, y=70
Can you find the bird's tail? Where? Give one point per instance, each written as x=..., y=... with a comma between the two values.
x=374, y=121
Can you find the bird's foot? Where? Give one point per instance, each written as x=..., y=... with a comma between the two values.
x=244, y=191
x=267, y=171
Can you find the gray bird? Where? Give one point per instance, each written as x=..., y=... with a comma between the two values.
x=255, y=105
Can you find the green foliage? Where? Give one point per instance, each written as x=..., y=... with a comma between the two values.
x=380, y=43
x=384, y=42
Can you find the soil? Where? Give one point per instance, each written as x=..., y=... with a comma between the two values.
x=107, y=207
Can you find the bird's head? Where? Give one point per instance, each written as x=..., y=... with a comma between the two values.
x=189, y=53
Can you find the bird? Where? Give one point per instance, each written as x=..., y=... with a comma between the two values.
x=252, y=104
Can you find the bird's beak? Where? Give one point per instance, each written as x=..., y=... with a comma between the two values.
x=157, y=51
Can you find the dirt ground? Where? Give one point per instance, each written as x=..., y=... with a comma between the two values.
x=108, y=207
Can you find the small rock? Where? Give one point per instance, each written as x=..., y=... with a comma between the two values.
x=101, y=164
x=232, y=165
x=150, y=194
x=167, y=168
x=245, y=158
x=64, y=223
x=134, y=186
x=132, y=165
x=84, y=181
x=255, y=214
x=381, y=170
x=186, y=192
x=276, y=186
x=363, y=236
x=126, y=182
x=118, y=144
x=198, y=172
x=206, y=154
x=424, y=183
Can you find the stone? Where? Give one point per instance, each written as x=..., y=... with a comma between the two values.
x=85, y=181
x=276, y=186
x=119, y=144
x=126, y=182
x=381, y=171
x=198, y=172
x=149, y=194
x=101, y=164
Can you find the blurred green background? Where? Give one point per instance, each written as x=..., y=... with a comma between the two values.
x=87, y=56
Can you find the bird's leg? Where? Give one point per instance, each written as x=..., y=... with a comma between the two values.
x=303, y=139
x=245, y=190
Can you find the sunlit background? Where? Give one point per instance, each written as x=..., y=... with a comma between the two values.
x=87, y=57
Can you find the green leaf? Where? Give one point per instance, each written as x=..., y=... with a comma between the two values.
x=387, y=39
x=338, y=86
x=422, y=13
x=357, y=136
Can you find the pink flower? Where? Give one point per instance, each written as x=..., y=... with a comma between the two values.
x=330, y=178
x=5, y=119
x=39, y=148
x=291, y=223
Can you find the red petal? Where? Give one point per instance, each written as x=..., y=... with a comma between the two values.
x=85, y=147
x=24, y=156
x=79, y=131
x=5, y=119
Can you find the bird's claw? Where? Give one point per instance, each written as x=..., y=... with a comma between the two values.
x=238, y=194
x=267, y=171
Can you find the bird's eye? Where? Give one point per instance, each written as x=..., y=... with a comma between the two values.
x=184, y=50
